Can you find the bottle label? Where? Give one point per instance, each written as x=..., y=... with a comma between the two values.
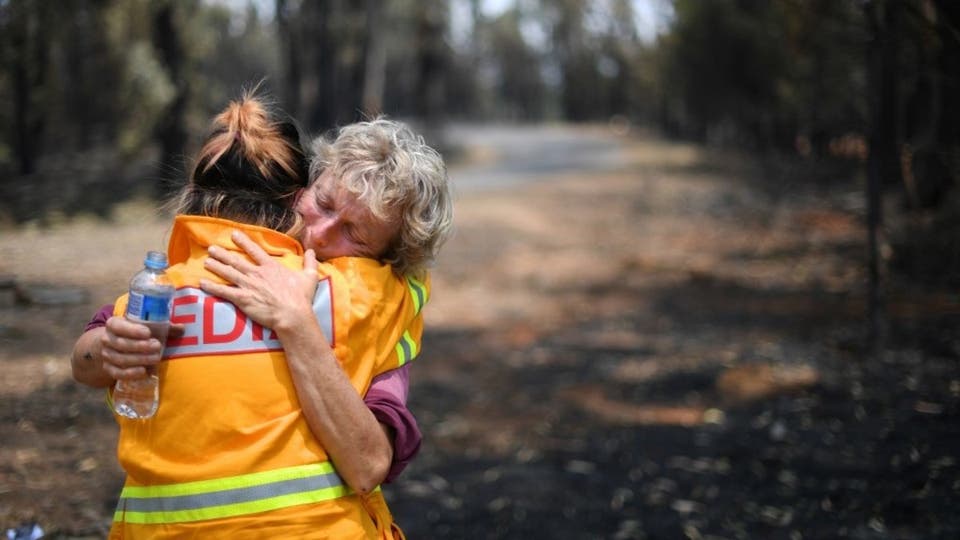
x=148, y=308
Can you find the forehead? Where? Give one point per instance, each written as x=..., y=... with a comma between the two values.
x=350, y=205
x=326, y=181
x=330, y=187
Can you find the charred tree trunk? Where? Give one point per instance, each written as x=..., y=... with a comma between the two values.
x=883, y=167
x=375, y=61
x=172, y=131
x=948, y=132
x=932, y=164
x=320, y=86
x=31, y=55
x=577, y=65
x=24, y=145
x=332, y=85
x=291, y=60
x=431, y=22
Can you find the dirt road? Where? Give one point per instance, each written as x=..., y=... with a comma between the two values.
x=661, y=343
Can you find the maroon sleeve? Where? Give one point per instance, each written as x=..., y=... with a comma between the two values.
x=387, y=399
x=100, y=319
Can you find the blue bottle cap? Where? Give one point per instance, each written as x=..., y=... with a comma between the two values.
x=156, y=260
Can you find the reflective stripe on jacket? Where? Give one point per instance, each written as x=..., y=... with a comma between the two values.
x=228, y=497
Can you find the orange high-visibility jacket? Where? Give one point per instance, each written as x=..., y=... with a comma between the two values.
x=229, y=453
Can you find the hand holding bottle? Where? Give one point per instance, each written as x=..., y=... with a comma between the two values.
x=148, y=304
x=129, y=349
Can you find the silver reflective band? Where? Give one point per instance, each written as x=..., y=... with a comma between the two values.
x=229, y=496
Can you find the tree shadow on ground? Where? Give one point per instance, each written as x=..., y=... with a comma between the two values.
x=751, y=413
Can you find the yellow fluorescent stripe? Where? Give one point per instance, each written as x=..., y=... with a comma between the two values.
x=405, y=354
x=413, y=344
x=419, y=293
x=232, y=482
x=416, y=283
x=401, y=354
x=230, y=510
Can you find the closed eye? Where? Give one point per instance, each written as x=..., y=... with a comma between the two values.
x=354, y=235
x=323, y=202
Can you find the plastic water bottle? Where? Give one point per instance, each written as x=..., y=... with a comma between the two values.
x=151, y=293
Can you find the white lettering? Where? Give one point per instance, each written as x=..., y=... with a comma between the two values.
x=213, y=326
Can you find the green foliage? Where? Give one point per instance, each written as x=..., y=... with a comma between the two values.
x=519, y=89
x=762, y=73
x=724, y=62
x=136, y=76
x=144, y=96
x=238, y=50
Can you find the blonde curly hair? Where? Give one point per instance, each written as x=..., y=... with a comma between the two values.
x=394, y=173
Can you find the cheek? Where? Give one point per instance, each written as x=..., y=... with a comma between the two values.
x=310, y=203
x=389, y=237
x=304, y=207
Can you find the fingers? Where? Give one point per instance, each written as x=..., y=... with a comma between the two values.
x=228, y=293
x=130, y=338
x=176, y=331
x=232, y=266
x=225, y=270
x=127, y=349
x=310, y=262
x=125, y=366
x=124, y=328
x=250, y=247
x=231, y=259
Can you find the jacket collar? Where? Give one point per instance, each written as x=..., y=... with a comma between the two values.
x=193, y=232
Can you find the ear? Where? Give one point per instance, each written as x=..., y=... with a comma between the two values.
x=296, y=197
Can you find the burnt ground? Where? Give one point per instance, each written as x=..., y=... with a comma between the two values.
x=672, y=347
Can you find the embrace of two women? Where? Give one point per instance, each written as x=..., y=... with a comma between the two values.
x=319, y=265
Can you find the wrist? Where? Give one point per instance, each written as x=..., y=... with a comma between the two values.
x=293, y=319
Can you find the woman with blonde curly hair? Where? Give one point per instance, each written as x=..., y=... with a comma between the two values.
x=378, y=190
x=397, y=177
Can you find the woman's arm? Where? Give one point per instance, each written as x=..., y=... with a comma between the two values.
x=357, y=443
x=86, y=362
x=281, y=299
x=386, y=398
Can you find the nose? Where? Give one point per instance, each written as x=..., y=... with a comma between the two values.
x=322, y=231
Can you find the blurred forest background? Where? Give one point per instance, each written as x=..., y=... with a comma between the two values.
x=780, y=219
x=99, y=91
x=99, y=82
